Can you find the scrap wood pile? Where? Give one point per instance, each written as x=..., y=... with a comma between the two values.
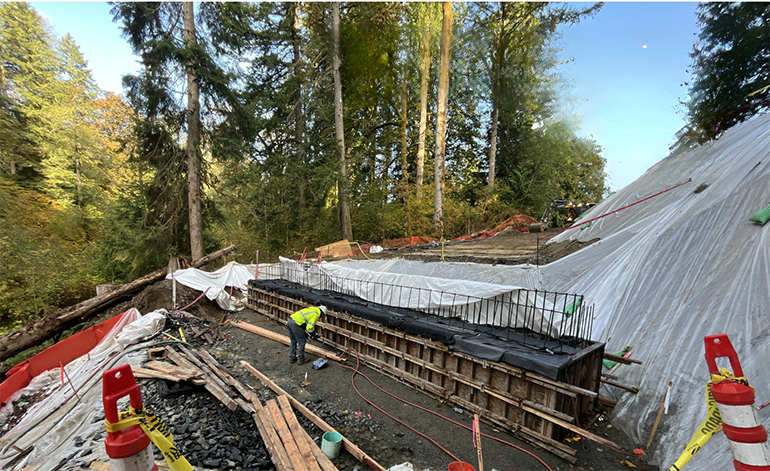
x=186, y=327
x=290, y=447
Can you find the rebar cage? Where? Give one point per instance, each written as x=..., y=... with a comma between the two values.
x=538, y=318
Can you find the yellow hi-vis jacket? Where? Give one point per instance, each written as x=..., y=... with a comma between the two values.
x=309, y=315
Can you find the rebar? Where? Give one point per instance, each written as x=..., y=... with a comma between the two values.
x=543, y=319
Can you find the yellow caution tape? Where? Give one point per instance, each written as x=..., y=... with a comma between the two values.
x=711, y=425
x=158, y=432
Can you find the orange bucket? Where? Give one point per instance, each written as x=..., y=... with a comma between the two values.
x=460, y=466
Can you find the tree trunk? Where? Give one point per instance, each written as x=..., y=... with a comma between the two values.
x=424, y=80
x=4, y=104
x=342, y=181
x=443, y=94
x=193, y=138
x=79, y=180
x=404, y=160
x=492, y=151
x=51, y=325
x=497, y=61
x=299, y=122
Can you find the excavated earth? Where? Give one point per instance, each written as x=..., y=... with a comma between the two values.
x=509, y=247
x=213, y=437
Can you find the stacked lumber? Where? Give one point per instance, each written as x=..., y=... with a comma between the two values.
x=199, y=367
x=289, y=445
x=349, y=446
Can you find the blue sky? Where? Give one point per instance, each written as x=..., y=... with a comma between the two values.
x=626, y=95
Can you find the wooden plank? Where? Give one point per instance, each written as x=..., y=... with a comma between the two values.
x=174, y=370
x=574, y=428
x=619, y=359
x=286, y=437
x=349, y=446
x=222, y=373
x=607, y=401
x=284, y=339
x=632, y=389
x=140, y=372
x=323, y=461
x=298, y=433
x=207, y=373
x=213, y=384
x=340, y=248
x=180, y=360
x=270, y=437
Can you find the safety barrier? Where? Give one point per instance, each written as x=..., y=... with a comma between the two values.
x=129, y=448
x=735, y=401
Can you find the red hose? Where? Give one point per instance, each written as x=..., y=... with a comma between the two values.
x=619, y=209
x=196, y=300
x=353, y=381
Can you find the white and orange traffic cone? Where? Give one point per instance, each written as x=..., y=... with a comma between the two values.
x=129, y=449
x=735, y=401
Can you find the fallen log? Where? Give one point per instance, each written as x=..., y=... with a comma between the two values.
x=53, y=324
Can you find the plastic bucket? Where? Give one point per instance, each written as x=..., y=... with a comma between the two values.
x=331, y=443
x=460, y=466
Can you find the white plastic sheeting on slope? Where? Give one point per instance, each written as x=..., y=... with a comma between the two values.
x=666, y=273
x=217, y=282
x=674, y=269
x=65, y=417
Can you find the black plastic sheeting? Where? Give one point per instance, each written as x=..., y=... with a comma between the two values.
x=547, y=358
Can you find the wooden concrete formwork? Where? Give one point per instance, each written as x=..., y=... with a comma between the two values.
x=539, y=410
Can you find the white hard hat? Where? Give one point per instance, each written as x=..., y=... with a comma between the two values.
x=323, y=309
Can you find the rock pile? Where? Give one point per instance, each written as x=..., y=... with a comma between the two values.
x=208, y=434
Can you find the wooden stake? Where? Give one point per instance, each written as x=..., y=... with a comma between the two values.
x=478, y=440
x=660, y=412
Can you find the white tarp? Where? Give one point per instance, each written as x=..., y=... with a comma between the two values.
x=65, y=419
x=221, y=284
x=473, y=301
x=666, y=273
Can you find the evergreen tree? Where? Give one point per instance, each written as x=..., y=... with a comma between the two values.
x=730, y=66
x=27, y=75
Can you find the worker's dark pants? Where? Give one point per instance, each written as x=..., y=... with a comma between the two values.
x=298, y=340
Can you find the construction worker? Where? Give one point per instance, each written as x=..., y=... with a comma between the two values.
x=301, y=325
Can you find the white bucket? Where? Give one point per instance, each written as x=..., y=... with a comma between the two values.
x=331, y=443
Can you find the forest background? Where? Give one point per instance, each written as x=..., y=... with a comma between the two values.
x=277, y=126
